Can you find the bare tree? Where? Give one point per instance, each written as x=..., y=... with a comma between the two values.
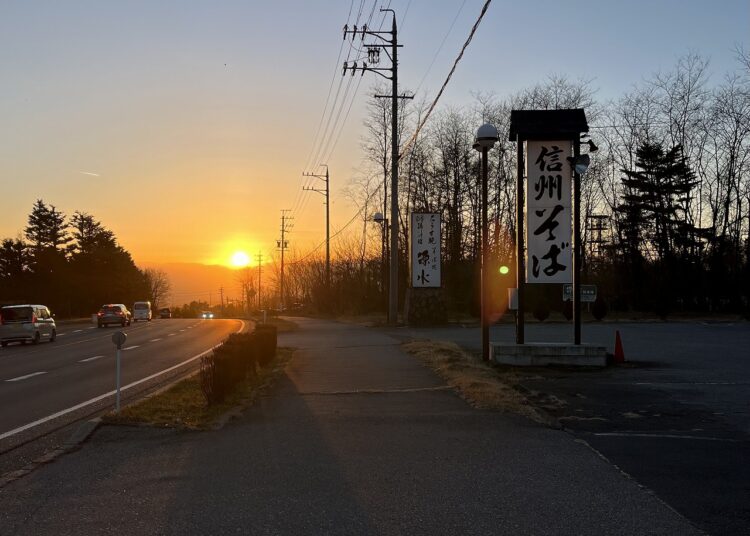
x=159, y=286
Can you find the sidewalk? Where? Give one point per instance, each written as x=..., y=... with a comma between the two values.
x=357, y=438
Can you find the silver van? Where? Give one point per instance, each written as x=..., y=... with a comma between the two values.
x=21, y=323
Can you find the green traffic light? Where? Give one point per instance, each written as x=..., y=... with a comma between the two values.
x=504, y=270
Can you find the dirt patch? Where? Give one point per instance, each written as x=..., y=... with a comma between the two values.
x=478, y=383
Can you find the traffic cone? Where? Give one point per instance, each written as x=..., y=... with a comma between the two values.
x=619, y=354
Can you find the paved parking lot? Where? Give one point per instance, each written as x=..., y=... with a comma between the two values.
x=676, y=416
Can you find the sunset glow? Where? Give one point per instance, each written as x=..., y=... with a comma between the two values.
x=240, y=259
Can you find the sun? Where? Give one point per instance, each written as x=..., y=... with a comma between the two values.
x=240, y=259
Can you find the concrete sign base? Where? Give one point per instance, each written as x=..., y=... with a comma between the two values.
x=542, y=354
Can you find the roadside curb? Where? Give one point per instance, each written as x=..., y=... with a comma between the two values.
x=74, y=442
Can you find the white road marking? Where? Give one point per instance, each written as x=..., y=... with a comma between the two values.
x=92, y=327
x=171, y=335
x=90, y=358
x=182, y=330
x=131, y=347
x=96, y=399
x=667, y=436
x=77, y=330
x=155, y=340
x=190, y=327
x=25, y=377
x=61, y=334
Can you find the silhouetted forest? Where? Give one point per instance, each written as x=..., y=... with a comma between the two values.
x=73, y=265
x=665, y=201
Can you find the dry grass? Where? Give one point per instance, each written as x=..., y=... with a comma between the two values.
x=479, y=384
x=183, y=406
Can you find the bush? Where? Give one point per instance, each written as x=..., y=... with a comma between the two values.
x=265, y=336
x=541, y=311
x=599, y=308
x=567, y=309
x=229, y=364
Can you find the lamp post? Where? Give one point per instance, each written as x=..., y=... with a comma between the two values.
x=383, y=222
x=580, y=164
x=485, y=140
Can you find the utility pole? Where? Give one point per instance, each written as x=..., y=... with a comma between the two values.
x=373, y=56
x=282, y=245
x=327, y=193
x=221, y=293
x=259, y=256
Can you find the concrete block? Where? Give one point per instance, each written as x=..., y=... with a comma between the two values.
x=542, y=354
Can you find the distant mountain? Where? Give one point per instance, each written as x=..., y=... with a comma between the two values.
x=194, y=281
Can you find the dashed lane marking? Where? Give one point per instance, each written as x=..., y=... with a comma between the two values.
x=27, y=376
x=132, y=347
x=103, y=396
x=91, y=359
x=77, y=330
x=171, y=335
x=155, y=340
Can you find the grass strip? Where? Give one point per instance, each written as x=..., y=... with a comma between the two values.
x=480, y=384
x=183, y=405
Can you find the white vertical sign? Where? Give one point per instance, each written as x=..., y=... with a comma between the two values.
x=549, y=175
x=425, y=249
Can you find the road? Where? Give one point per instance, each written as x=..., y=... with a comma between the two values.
x=675, y=417
x=49, y=385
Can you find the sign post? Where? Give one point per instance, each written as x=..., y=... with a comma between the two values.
x=118, y=338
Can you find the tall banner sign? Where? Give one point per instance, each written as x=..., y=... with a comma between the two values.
x=425, y=249
x=549, y=176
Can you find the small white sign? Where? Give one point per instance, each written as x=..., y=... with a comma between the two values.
x=425, y=249
x=549, y=176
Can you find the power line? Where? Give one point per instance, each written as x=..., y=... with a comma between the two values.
x=408, y=144
x=442, y=43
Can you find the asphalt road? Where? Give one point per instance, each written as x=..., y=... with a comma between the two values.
x=675, y=416
x=48, y=385
x=357, y=437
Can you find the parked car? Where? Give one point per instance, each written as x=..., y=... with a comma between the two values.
x=114, y=313
x=142, y=311
x=165, y=312
x=207, y=314
x=21, y=323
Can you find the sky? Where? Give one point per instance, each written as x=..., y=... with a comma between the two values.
x=184, y=126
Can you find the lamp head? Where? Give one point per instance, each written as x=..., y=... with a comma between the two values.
x=580, y=163
x=486, y=137
x=378, y=217
x=592, y=146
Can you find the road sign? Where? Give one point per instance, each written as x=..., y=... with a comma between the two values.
x=588, y=293
x=119, y=338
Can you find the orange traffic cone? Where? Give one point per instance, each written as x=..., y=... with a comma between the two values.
x=619, y=354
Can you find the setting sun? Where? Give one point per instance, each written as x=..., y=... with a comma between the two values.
x=240, y=259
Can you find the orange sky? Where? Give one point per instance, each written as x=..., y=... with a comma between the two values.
x=185, y=127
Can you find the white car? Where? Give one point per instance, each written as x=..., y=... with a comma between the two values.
x=21, y=323
x=142, y=311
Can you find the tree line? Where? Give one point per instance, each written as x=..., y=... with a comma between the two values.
x=665, y=201
x=73, y=265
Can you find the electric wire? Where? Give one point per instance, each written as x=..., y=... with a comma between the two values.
x=408, y=144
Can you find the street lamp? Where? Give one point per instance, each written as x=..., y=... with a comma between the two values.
x=580, y=164
x=485, y=140
x=383, y=222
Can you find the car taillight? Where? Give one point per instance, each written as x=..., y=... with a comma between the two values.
x=33, y=318
x=100, y=313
